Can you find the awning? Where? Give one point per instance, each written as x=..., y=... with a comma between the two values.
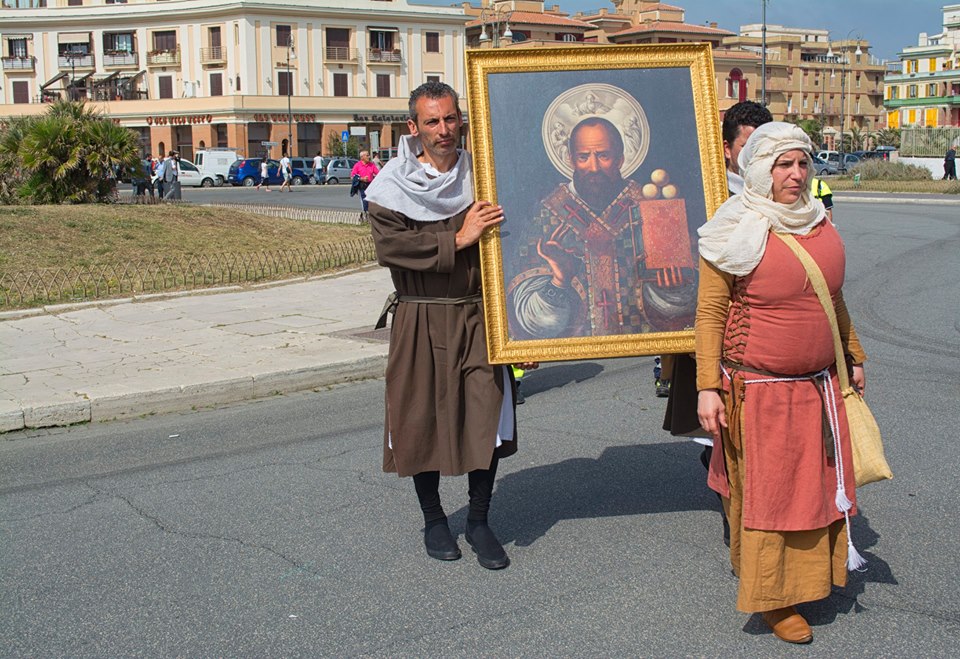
x=374, y=28
x=8, y=35
x=80, y=82
x=73, y=37
x=106, y=79
x=56, y=78
x=128, y=82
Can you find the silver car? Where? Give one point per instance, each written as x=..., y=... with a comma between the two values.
x=338, y=170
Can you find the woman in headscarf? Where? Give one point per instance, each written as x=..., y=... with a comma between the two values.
x=765, y=366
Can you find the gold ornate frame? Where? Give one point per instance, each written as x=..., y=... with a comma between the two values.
x=480, y=64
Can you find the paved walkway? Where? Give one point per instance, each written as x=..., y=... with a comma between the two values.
x=161, y=354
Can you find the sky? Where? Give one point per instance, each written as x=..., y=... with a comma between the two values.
x=889, y=25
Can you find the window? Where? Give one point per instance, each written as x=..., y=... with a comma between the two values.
x=221, y=135
x=339, y=84
x=216, y=84
x=238, y=83
x=933, y=64
x=383, y=85
x=21, y=91
x=283, y=36
x=932, y=89
x=381, y=39
x=213, y=37
x=165, y=86
x=858, y=81
x=737, y=85
x=433, y=42
x=165, y=41
x=118, y=42
x=433, y=78
x=74, y=3
x=804, y=101
x=911, y=92
x=285, y=83
x=17, y=48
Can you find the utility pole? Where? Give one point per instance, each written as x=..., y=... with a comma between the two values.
x=763, y=57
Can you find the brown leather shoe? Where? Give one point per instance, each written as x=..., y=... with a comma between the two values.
x=788, y=625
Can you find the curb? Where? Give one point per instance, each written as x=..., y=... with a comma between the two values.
x=188, y=397
x=897, y=200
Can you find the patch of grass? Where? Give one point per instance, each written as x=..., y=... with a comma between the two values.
x=888, y=170
x=872, y=185
x=35, y=237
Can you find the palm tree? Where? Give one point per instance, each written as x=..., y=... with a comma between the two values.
x=71, y=154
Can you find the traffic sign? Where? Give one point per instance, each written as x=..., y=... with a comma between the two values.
x=345, y=136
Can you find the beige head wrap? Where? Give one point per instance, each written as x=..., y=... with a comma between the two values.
x=736, y=236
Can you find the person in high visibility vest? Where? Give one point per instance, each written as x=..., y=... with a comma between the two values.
x=517, y=375
x=820, y=190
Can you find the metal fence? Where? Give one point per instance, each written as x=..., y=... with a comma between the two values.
x=27, y=289
x=923, y=142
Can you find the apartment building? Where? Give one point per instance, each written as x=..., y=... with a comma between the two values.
x=191, y=74
x=810, y=75
x=923, y=88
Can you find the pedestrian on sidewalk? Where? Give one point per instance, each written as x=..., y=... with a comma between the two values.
x=448, y=410
x=363, y=173
x=286, y=169
x=264, y=175
x=950, y=164
x=171, y=177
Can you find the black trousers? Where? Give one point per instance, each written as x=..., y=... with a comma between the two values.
x=479, y=489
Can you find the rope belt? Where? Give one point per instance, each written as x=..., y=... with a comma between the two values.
x=825, y=388
x=394, y=300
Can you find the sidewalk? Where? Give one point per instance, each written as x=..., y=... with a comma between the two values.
x=84, y=363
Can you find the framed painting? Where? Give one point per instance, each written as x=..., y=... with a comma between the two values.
x=606, y=160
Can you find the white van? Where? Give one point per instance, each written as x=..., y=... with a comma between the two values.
x=214, y=165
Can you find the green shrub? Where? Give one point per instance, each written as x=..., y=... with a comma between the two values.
x=886, y=170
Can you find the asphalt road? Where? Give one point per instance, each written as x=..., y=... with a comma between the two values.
x=267, y=529
x=312, y=196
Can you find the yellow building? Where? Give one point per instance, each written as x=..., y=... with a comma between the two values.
x=923, y=89
x=191, y=74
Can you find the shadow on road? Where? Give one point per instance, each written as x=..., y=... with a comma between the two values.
x=625, y=480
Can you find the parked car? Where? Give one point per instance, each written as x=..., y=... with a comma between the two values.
x=872, y=155
x=190, y=176
x=338, y=170
x=246, y=172
x=849, y=162
x=214, y=165
x=833, y=157
x=306, y=164
x=822, y=167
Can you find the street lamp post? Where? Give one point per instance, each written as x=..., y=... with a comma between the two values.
x=844, y=70
x=290, y=55
x=495, y=16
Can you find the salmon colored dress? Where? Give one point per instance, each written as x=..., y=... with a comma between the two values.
x=777, y=471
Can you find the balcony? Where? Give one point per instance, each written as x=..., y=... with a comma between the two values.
x=164, y=57
x=378, y=56
x=341, y=54
x=19, y=63
x=213, y=55
x=120, y=58
x=76, y=61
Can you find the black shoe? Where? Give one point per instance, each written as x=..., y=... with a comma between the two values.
x=440, y=543
x=489, y=551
